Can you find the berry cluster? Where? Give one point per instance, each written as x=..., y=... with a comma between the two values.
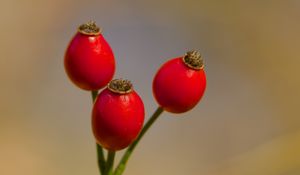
x=118, y=112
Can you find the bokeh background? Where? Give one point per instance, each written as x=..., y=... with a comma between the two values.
x=247, y=123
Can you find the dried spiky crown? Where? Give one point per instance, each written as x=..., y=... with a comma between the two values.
x=193, y=60
x=89, y=28
x=120, y=86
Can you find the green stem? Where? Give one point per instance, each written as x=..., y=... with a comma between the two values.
x=94, y=95
x=110, y=163
x=101, y=159
x=100, y=154
x=121, y=167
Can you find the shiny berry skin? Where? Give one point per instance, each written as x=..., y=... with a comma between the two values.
x=180, y=83
x=117, y=116
x=89, y=60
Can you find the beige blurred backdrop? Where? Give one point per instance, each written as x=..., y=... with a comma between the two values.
x=248, y=123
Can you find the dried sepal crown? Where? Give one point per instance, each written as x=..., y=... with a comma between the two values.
x=89, y=28
x=120, y=86
x=193, y=60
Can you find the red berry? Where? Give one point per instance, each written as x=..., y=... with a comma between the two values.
x=118, y=115
x=89, y=60
x=180, y=83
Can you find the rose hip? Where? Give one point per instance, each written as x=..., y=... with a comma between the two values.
x=180, y=83
x=118, y=115
x=89, y=60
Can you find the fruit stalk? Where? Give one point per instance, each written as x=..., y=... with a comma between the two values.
x=121, y=167
x=110, y=163
x=100, y=154
x=117, y=115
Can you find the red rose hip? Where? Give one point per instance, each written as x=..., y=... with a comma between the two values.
x=118, y=115
x=89, y=60
x=180, y=83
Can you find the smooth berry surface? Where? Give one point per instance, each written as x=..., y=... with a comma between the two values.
x=117, y=119
x=177, y=87
x=89, y=61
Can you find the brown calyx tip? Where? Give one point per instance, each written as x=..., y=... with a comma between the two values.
x=193, y=60
x=89, y=28
x=120, y=86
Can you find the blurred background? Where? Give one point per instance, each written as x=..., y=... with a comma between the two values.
x=247, y=123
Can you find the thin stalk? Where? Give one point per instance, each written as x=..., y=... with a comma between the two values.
x=100, y=154
x=94, y=95
x=121, y=167
x=100, y=159
x=110, y=163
